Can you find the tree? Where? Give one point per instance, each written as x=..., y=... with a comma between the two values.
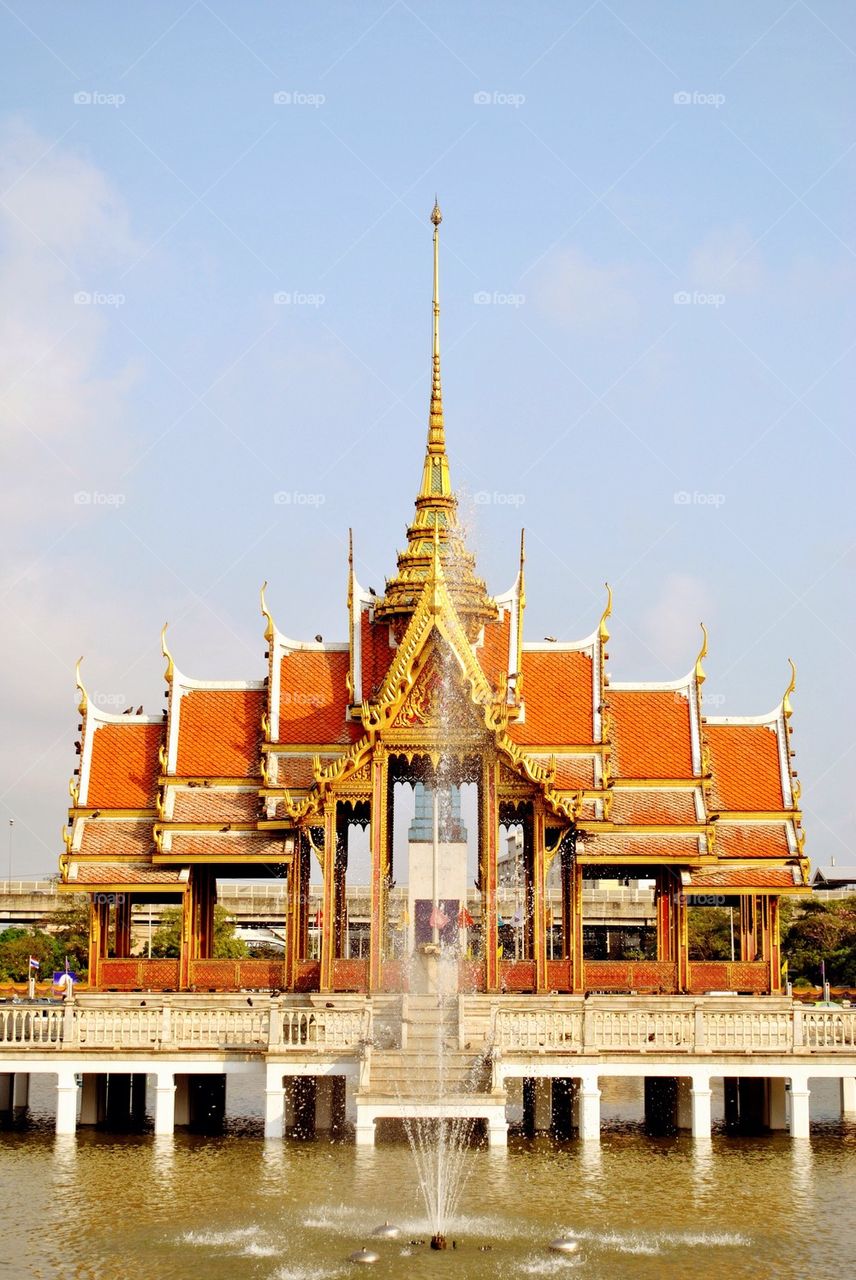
x=16, y=947
x=816, y=934
x=227, y=946
x=69, y=925
x=709, y=933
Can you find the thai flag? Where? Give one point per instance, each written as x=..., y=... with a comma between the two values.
x=34, y=964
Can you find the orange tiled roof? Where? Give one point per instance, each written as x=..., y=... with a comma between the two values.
x=124, y=767
x=652, y=733
x=558, y=697
x=295, y=771
x=219, y=731
x=650, y=808
x=95, y=873
x=215, y=804
x=616, y=845
x=376, y=653
x=214, y=844
x=745, y=765
x=313, y=697
x=573, y=773
x=752, y=840
x=116, y=837
x=493, y=654
x=743, y=878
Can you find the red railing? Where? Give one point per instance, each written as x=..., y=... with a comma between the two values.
x=132, y=973
x=350, y=975
x=729, y=975
x=517, y=975
x=236, y=975
x=630, y=975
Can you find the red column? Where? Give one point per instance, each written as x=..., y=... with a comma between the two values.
x=379, y=858
x=189, y=937
x=665, y=901
x=489, y=833
x=123, y=924
x=98, y=927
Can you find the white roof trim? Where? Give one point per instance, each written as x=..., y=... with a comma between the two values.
x=770, y=719
x=683, y=685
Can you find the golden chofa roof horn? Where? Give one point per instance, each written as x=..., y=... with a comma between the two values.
x=170, y=665
x=787, y=709
x=602, y=628
x=702, y=653
x=81, y=689
x=266, y=613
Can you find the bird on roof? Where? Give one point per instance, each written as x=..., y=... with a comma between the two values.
x=319, y=639
x=140, y=710
x=550, y=639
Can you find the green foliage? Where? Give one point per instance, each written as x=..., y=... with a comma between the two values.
x=709, y=933
x=69, y=926
x=167, y=939
x=814, y=931
x=16, y=947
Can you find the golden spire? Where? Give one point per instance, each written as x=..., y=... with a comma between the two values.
x=436, y=516
x=700, y=674
x=435, y=475
x=787, y=709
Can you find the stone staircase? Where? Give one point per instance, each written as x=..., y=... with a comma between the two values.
x=431, y=1065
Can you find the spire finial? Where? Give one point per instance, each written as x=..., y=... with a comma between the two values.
x=436, y=432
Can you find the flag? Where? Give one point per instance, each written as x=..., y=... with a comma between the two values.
x=785, y=970
x=438, y=918
x=34, y=964
x=465, y=920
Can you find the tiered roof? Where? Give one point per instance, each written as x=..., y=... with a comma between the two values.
x=231, y=768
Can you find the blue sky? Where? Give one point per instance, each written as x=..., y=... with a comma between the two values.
x=647, y=285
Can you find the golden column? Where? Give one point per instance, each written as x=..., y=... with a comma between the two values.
x=489, y=841
x=328, y=898
x=539, y=896
x=379, y=868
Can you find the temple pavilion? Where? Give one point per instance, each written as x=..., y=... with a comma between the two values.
x=436, y=690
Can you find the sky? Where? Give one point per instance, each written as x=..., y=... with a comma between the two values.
x=215, y=278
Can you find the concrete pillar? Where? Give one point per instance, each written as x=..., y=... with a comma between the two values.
x=164, y=1103
x=182, y=1100
x=324, y=1104
x=700, y=1106
x=93, y=1098
x=684, y=1105
x=589, y=1109
x=800, y=1094
x=66, y=1101
x=543, y=1104
x=848, y=1097
x=20, y=1094
x=274, y=1104
x=777, y=1103
x=364, y=1130
x=497, y=1129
